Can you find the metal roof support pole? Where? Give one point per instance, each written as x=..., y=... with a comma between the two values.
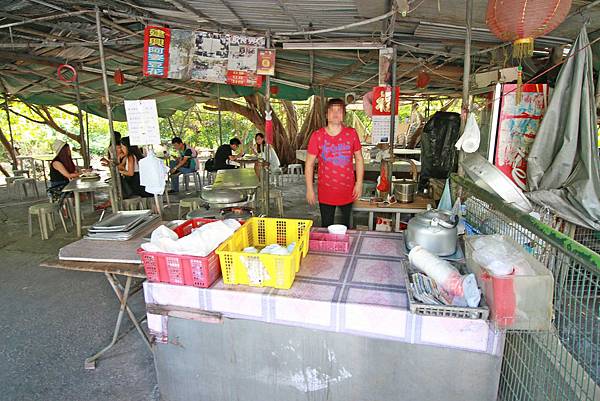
x=116, y=180
x=265, y=179
x=85, y=151
x=219, y=114
x=87, y=133
x=393, y=110
x=466, y=77
x=13, y=156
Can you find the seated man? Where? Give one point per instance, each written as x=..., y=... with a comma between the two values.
x=224, y=155
x=185, y=163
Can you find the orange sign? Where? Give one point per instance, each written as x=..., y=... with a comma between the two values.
x=266, y=62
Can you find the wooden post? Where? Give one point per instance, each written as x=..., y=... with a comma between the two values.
x=116, y=181
x=219, y=114
x=393, y=110
x=84, y=145
x=466, y=78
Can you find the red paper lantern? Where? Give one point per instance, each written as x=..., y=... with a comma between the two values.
x=119, y=77
x=521, y=21
x=423, y=79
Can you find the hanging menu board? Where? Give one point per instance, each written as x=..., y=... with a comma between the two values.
x=142, y=122
x=208, y=56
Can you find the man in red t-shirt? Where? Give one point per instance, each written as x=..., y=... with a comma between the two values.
x=337, y=148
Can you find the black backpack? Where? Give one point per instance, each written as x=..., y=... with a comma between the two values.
x=209, y=165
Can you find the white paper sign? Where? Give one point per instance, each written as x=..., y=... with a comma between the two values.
x=142, y=122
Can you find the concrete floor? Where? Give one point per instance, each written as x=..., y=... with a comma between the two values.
x=51, y=320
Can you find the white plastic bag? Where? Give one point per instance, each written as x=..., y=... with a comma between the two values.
x=471, y=137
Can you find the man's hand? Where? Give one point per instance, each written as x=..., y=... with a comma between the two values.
x=310, y=197
x=357, y=191
x=172, y=171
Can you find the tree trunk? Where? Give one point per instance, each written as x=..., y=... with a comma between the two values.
x=312, y=122
x=9, y=149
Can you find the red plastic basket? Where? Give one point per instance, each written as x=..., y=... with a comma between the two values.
x=325, y=242
x=171, y=268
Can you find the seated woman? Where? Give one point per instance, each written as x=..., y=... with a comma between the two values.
x=62, y=167
x=259, y=149
x=130, y=170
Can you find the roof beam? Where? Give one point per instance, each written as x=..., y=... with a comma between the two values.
x=182, y=5
x=288, y=14
x=373, y=54
x=235, y=14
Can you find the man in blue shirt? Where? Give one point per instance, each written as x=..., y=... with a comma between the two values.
x=185, y=163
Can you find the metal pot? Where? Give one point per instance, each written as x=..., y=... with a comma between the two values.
x=220, y=198
x=435, y=230
x=404, y=190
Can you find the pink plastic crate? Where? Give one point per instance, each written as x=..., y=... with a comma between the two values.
x=170, y=268
x=325, y=242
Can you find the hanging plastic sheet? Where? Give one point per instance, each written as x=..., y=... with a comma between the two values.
x=563, y=164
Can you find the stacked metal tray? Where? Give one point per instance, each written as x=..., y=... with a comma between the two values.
x=122, y=226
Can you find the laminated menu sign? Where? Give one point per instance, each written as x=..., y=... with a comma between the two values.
x=156, y=51
x=142, y=122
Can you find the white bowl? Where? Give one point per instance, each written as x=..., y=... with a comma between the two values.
x=339, y=229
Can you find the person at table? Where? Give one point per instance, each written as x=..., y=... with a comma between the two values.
x=62, y=167
x=184, y=164
x=337, y=148
x=105, y=161
x=224, y=155
x=259, y=149
x=130, y=170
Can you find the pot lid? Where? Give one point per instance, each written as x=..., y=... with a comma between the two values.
x=223, y=196
x=427, y=216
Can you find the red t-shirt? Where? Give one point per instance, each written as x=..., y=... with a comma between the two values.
x=336, y=167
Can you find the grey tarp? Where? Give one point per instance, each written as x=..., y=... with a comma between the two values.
x=563, y=163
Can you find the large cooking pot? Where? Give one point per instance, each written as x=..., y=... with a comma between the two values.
x=220, y=198
x=435, y=230
x=404, y=190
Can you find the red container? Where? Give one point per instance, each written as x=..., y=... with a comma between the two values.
x=171, y=268
x=325, y=242
x=501, y=293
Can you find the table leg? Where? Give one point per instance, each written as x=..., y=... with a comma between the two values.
x=77, y=213
x=371, y=215
x=44, y=172
x=113, y=201
x=122, y=295
x=90, y=363
x=397, y=227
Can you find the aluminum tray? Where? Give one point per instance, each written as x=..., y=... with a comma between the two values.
x=124, y=236
x=121, y=221
x=490, y=178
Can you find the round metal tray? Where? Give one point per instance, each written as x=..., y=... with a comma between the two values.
x=490, y=178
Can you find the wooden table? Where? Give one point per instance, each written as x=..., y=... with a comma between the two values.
x=420, y=204
x=78, y=186
x=123, y=292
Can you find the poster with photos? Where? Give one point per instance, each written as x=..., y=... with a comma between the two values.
x=210, y=57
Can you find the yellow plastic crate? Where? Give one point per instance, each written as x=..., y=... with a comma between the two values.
x=264, y=270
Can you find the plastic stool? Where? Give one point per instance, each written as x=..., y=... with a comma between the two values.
x=295, y=170
x=21, y=186
x=45, y=213
x=277, y=196
x=197, y=180
x=276, y=177
x=189, y=203
x=134, y=203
